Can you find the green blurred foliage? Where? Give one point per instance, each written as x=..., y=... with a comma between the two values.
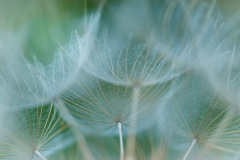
x=42, y=24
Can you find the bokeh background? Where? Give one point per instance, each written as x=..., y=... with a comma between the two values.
x=37, y=27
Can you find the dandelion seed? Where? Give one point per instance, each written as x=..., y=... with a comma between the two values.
x=26, y=134
x=30, y=83
x=201, y=114
x=98, y=105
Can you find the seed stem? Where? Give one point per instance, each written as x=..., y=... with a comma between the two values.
x=191, y=147
x=131, y=140
x=60, y=105
x=39, y=155
x=121, y=141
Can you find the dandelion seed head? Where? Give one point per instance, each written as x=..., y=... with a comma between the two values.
x=148, y=71
x=98, y=105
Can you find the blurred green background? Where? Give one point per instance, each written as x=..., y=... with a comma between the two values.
x=36, y=26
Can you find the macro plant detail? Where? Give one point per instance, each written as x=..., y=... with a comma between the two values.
x=205, y=117
x=26, y=133
x=138, y=80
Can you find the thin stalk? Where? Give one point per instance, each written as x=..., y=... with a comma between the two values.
x=74, y=127
x=121, y=141
x=131, y=140
x=191, y=147
x=39, y=155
